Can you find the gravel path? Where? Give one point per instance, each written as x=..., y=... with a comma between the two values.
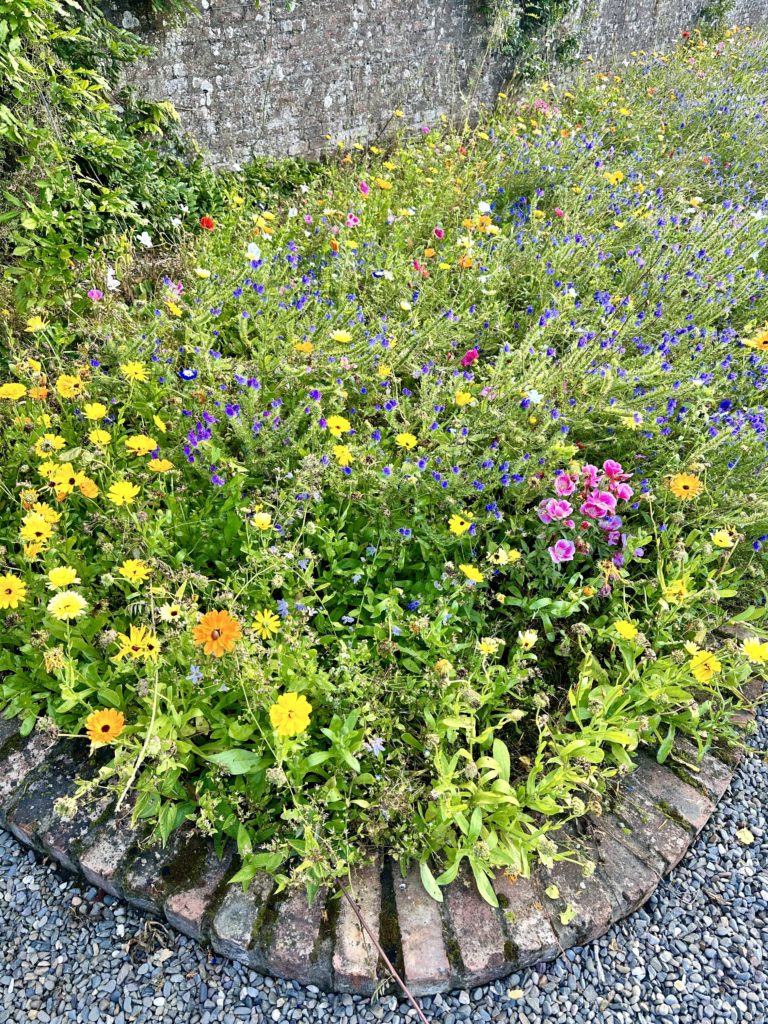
x=698, y=951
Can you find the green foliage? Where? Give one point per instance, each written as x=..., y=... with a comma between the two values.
x=80, y=167
x=531, y=32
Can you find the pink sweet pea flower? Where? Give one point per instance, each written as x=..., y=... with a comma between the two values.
x=438, y=233
x=598, y=504
x=352, y=220
x=469, y=357
x=554, y=509
x=613, y=469
x=564, y=485
x=559, y=212
x=562, y=551
x=624, y=492
x=364, y=188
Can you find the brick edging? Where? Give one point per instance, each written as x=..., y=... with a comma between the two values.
x=653, y=818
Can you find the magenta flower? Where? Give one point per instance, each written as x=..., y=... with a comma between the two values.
x=469, y=357
x=438, y=233
x=352, y=220
x=559, y=212
x=564, y=485
x=95, y=295
x=624, y=492
x=614, y=470
x=562, y=551
x=591, y=473
x=554, y=509
x=364, y=187
x=599, y=504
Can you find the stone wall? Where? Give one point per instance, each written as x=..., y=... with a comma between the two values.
x=250, y=77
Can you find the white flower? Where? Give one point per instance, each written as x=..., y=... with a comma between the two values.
x=304, y=188
x=145, y=239
x=292, y=211
x=112, y=282
x=176, y=221
x=253, y=252
x=484, y=207
x=533, y=396
x=388, y=275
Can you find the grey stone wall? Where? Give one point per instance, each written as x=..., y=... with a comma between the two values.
x=249, y=77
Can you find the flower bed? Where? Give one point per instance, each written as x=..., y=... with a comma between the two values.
x=404, y=514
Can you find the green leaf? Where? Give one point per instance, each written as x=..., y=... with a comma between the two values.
x=552, y=891
x=236, y=762
x=501, y=757
x=429, y=882
x=484, y=886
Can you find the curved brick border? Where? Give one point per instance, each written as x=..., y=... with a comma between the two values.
x=651, y=821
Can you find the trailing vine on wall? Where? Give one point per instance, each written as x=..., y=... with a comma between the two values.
x=533, y=32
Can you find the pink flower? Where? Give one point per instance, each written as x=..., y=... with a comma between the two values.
x=308, y=218
x=554, y=509
x=591, y=473
x=624, y=492
x=614, y=470
x=352, y=220
x=559, y=212
x=469, y=357
x=564, y=485
x=95, y=295
x=599, y=504
x=425, y=129
x=562, y=551
x=438, y=233
x=364, y=187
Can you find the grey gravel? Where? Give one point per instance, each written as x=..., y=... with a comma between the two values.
x=697, y=952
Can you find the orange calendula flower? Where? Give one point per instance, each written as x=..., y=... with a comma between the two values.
x=216, y=633
x=104, y=726
x=685, y=486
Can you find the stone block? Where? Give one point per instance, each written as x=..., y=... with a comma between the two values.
x=157, y=871
x=670, y=793
x=710, y=774
x=629, y=881
x=582, y=910
x=19, y=762
x=103, y=862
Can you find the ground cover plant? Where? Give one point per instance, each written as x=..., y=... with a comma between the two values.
x=407, y=509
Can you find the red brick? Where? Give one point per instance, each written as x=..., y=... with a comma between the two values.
x=425, y=959
x=186, y=909
x=671, y=793
x=103, y=862
x=235, y=923
x=355, y=957
x=532, y=937
x=478, y=930
x=301, y=944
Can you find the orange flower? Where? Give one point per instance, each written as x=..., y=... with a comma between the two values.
x=216, y=633
x=104, y=726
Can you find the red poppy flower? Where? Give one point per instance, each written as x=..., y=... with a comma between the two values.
x=208, y=223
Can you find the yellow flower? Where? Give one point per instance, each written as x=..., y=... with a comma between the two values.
x=343, y=337
x=67, y=605
x=122, y=492
x=472, y=573
x=406, y=441
x=34, y=324
x=342, y=454
x=458, y=525
x=134, y=371
x=94, y=410
x=104, y=726
x=50, y=515
x=160, y=465
x=338, y=425
x=462, y=398
x=12, y=591
x=723, y=539
x=100, y=437
x=527, y=638
x=261, y=520
x=499, y=557
x=68, y=386
x=139, y=642
x=306, y=348
x=12, y=391
x=677, y=590
x=290, y=714
x=759, y=340
x=266, y=624
x=134, y=570
x=704, y=665
x=140, y=444
x=686, y=486
x=626, y=630
x=382, y=183
x=160, y=424
x=62, y=576
x=49, y=443
x=489, y=645
x=35, y=529
x=173, y=308
x=755, y=651
x=514, y=555
x=443, y=667
x=202, y=273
